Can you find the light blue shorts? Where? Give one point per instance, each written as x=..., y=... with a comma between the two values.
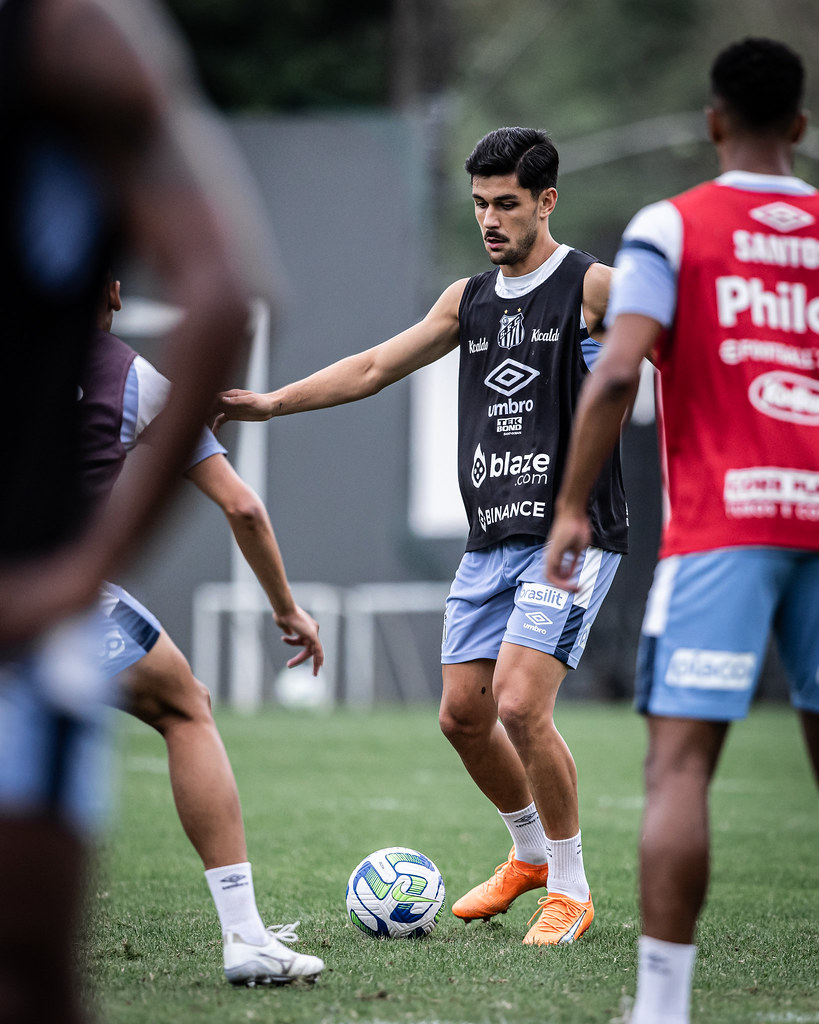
x=129, y=630
x=706, y=628
x=55, y=743
x=499, y=594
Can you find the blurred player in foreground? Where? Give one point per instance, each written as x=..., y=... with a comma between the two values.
x=122, y=395
x=721, y=286
x=100, y=154
x=527, y=336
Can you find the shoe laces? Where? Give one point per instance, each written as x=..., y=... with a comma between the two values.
x=284, y=932
x=502, y=869
x=563, y=910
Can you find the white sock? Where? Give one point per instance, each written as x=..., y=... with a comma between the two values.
x=664, y=973
x=566, y=873
x=231, y=887
x=527, y=834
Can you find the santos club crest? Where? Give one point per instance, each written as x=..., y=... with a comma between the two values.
x=511, y=329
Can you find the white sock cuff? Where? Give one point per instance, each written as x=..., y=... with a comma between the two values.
x=566, y=872
x=231, y=887
x=681, y=954
x=527, y=834
x=229, y=876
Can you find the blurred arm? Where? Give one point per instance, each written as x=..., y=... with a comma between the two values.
x=606, y=395
x=125, y=116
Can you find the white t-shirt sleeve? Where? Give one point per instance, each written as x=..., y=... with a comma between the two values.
x=646, y=268
x=146, y=392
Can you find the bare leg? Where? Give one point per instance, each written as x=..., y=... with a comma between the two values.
x=526, y=682
x=525, y=758
x=165, y=694
x=674, y=848
x=810, y=730
x=42, y=865
x=469, y=719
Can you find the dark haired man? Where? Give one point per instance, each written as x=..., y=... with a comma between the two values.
x=93, y=162
x=122, y=397
x=721, y=286
x=527, y=333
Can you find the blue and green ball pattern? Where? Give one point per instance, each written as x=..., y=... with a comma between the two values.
x=396, y=893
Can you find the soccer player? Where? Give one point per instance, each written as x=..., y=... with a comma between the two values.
x=527, y=332
x=122, y=394
x=721, y=286
x=89, y=160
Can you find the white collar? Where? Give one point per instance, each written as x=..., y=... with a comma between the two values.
x=514, y=287
x=751, y=182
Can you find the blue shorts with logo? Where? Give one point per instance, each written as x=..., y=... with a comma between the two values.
x=129, y=630
x=499, y=595
x=55, y=737
x=706, y=628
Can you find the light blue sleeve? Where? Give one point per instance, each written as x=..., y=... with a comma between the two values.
x=646, y=268
x=206, y=446
x=643, y=283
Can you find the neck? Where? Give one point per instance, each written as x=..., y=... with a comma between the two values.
x=756, y=158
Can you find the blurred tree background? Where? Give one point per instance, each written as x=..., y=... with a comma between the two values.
x=620, y=84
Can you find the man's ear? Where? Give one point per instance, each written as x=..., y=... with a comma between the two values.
x=547, y=200
x=800, y=126
x=715, y=125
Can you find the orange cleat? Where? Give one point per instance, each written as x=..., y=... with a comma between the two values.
x=561, y=921
x=497, y=894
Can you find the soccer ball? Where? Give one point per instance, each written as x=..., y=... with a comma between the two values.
x=396, y=893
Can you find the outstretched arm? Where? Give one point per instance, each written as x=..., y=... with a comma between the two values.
x=254, y=534
x=606, y=395
x=357, y=376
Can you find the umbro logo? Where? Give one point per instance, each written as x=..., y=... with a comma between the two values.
x=539, y=618
x=782, y=217
x=510, y=377
x=233, y=881
x=658, y=964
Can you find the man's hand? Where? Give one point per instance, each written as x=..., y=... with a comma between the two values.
x=568, y=539
x=241, y=405
x=301, y=630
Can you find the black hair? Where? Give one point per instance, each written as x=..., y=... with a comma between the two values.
x=528, y=153
x=761, y=81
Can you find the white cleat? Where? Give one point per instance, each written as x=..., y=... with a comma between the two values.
x=270, y=963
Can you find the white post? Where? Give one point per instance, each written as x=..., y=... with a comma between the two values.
x=246, y=651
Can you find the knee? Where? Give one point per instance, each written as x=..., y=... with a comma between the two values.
x=460, y=724
x=676, y=772
x=523, y=721
x=165, y=702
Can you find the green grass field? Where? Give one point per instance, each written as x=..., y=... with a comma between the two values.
x=322, y=791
